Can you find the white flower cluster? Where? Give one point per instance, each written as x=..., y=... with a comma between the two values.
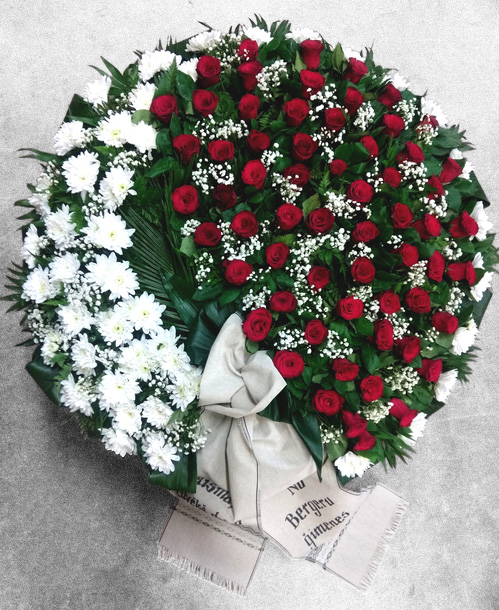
x=206, y=174
x=376, y=411
x=426, y=132
x=456, y=296
x=341, y=206
x=407, y=109
x=291, y=339
x=437, y=207
x=270, y=77
x=209, y=129
x=336, y=346
x=402, y=378
x=416, y=275
x=414, y=173
x=288, y=191
x=365, y=116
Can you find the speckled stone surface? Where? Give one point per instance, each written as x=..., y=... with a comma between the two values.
x=78, y=524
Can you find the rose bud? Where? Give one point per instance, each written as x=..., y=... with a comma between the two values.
x=402, y=216
x=409, y=254
x=354, y=424
x=257, y=324
x=318, y=278
x=431, y=369
x=310, y=51
x=289, y=364
x=350, y=308
x=283, y=301
x=297, y=174
x=312, y=83
x=392, y=177
x=207, y=234
x=187, y=146
x=288, y=216
x=164, y=106
x=409, y=348
x=248, y=71
x=276, y=255
x=254, y=174
x=418, y=300
x=360, y=191
x=401, y=411
x=437, y=189
x=363, y=270
x=365, y=231
x=344, y=369
x=444, y=322
x=337, y=167
x=436, y=266
x=353, y=100
x=371, y=388
x=315, y=332
x=428, y=227
x=296, y=111
x=390, y=96
x=248, y=107
x=412, y=152
x=463, y=226
x=205, y=102
x=328, y=402
x=365, y=442
x=320, y=220
x=462, y=271
x=355, y=71
x=370, y=144
x=394, y=125
x=258, y=141
x=221, y=150
x=334, y=119
x=244, y=224
x=389, y=302
x=225, y=196
x=248, y=49
x=450, y=170
x=303, y=146
x=185, y=199
x=237, y=272
x=383, y=335
x=208, y=69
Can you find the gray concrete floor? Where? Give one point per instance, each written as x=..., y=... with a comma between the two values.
x=78, y=524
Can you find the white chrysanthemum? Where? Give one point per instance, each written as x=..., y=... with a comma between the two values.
x=301, y=34
x=64, y=268
x=156, y=412
x=433, y=109
x=40, y=201
x=352, y=53
x=161, y=344
x=119, y=442
x=83, y=355
x=51, y=345
x=81, y=172
x=351, y=464
x=60, y=227
x=116, y=390
x=152, y=62
x=185, y=389
x=445, y=384
x=136, y=359
x=115, y=186
x=109, y=232
x=143, y=137
x=464, y=337
x=202, y=41
x=31, y=246
x=174, y=360
x=77, y=395
x=38, y=287
x=482, y=221
x=115, y=326
x=73, y=318
x=113, y=130
x=116, y=276
x=97, y=91
x=478, y=289
x=258, y=35
x=159, y=454
x=416, y=429
x=398, y=81
x=477, y=261
x=70, y=135
x=456, y=154
x=190, y=68
x=141, y=97
x=145, y=313
x=127, y=418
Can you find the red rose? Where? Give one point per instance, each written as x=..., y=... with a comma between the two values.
x=254, y=174
x=288, y=216
x=328, y=402
x=237, y=272
x=409, y=254
x=418, y=300
x=289, y=364
x=360, y=191
x=412, y=152
x=354, y=424
x=185, y=199
x=370, y=144
x=353, y=100
x=345, y=370
x=463, y=226
x=207, y=234
x=318, y=278
x=283, y=301
x=164, y=106
x=390, y=96
x=248, y=106
x=366, y=441
x=350, y=308
x=244, y=224
x=355, y=71
x=248, y=49
x=312, y=83
x=334, y=119
x=428, y=227
x=257, y=324
x=430, y=369
x=365, y=231
x=320, y=220
x=297, y=174
x=303, y=146
x=208, y=69
x=337, y=167
x=296, y=111
x=436, y=266
x=258, y=141
x=311, y=53
x=437, y=190
x=248, y=71
x=392, y=177
x=187, y=146
x=409, y=348
x=402, y=216
x=389, y=302
x=450, y=170
x=225, y=196
x=276, y=255
x=394, y=125
x=363, y=270
x=383, y=335
x=430, y=120
x=221, y=150
x=402, y=412
x=205, y=102
x=462, y=271
x=315, y=332
x=444, y=322
x=371, y=388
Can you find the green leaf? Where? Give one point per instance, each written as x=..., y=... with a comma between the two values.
x=370, y=358
x=39, y=155
x=183, y=478
x=364, y=327
x=201, y=338
x=444, y=340
x=45, y=376
x=175, y=126
x=339, y=59
x=252, y=346
x=207, y=292
x=229, y=295
x=336, y=450
x=308, y=429
x=352, y=153
x=188, y=245
x=160, y=167
x=312, y=203
x=145, y=116
x=481, y=306
x=299, y=63
x=185, y=85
